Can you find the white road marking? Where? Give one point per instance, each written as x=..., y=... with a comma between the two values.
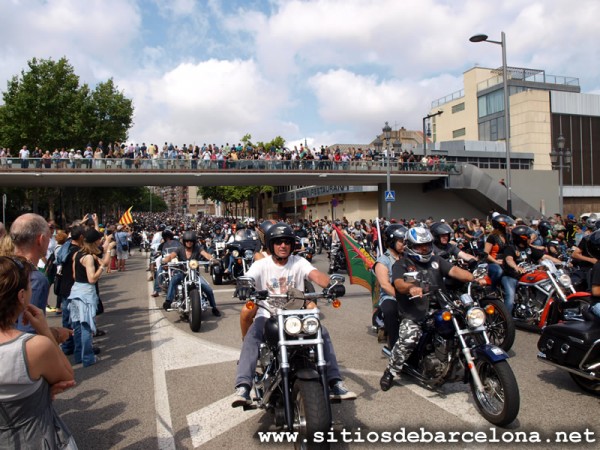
x=455, y=398
x=216, y=419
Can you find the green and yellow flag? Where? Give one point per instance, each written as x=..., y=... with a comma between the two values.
x=360, y=262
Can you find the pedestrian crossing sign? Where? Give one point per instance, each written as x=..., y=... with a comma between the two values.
x=390, y=196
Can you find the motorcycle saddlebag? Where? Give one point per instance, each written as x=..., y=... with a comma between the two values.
x=567, y=343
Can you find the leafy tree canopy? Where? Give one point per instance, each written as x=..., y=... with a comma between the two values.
x=47, y=107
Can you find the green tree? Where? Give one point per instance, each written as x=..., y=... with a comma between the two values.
x=47, y=107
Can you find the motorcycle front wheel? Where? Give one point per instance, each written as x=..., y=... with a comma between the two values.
x=500, y=326
x=217, y=278
x=590, y=386
x=195, y=316
x=310, y=414
x=500, y=400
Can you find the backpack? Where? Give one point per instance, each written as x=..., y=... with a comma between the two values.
x=51, y=268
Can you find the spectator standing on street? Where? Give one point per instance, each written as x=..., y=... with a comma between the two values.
x=122, y=239
x=33, y=368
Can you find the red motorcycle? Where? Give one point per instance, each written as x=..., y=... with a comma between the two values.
x=538, y=288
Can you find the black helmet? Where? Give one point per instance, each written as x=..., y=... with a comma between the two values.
x=393, y=233
x=544, y=228
x=593, y=244
x=167, y=234
x=162, y=227
x=521, y=234
x=189, y=236
x=501, y=221
x=438, y=229
x=263, y=228
x=278, y=231
x=357, y=224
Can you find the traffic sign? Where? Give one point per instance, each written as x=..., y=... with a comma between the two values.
x=390, y=196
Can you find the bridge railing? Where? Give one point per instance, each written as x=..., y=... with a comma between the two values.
x=13, y=164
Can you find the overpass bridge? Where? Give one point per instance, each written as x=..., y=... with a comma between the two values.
x=461, y=187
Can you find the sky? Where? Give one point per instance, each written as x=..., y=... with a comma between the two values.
x=321, y=72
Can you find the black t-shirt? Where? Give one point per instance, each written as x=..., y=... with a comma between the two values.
x=437, y=268
x=583, y=247
x=595, y=280
x=531, y=255
x=448, y=250
x=68, y=279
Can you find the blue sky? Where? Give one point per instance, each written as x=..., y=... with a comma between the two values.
x=328, y=71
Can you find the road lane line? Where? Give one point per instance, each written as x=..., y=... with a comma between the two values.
x=454, y=398
x=215, y=419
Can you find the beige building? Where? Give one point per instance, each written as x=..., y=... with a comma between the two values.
x=542, y=108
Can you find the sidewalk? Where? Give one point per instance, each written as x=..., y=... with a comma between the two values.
x=112, y=406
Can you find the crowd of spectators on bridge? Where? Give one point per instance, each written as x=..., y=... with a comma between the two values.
x=214, y=157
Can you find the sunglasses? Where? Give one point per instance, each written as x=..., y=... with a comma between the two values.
x=282, y=241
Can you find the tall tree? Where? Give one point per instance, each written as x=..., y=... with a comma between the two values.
x=47, y=107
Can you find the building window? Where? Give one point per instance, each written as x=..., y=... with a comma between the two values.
x=458, y=108
x=491, y=103
x=492, y=130
x=458, y=133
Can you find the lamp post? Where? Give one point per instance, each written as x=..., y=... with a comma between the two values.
x=502, y=43
x=561, y=159
x=425, y=134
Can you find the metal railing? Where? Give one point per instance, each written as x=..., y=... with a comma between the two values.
x=190, y=165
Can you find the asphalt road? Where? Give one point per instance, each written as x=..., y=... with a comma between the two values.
x=157, y=385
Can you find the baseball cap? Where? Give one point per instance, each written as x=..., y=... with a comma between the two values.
x=571, y=217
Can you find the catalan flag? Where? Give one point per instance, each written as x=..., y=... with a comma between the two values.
x=126, y=219
x=360, y=262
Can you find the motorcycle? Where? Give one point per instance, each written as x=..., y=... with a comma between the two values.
x=291, y=376
x=455, y=347
x=573, y=345
x=145, y=243
x=190, y=300
x=242, y=250
x=304, y=249
x=337, y=258
x=537, y=289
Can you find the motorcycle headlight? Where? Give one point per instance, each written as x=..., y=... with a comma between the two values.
x=475, y=317
x=248, y=254
x=235, y=253
x=565, y=280
x=310, y=325
x=193, y=264
x=292, y=325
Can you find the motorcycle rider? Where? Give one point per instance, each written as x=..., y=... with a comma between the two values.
x=593, y=248
x=394, y=236
x=443, y=246
x=277, y=273
x=495, y=244
x=519, y=251
x=418, y=255
x=168, y=246
x=582, y=259
x=191, y=249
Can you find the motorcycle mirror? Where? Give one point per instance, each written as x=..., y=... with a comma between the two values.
x=336, y=279
x=412, y=277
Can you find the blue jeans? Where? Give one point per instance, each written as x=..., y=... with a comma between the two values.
x=178, y=278
x=495, y=272
x=68, y=346
x=509, y=284
x=84, y=350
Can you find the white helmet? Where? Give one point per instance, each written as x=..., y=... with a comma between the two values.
x=418, y=236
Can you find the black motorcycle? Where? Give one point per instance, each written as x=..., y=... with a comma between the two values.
x=337, y=258
x=291, y=376
x=573, y=344
x=455, y=347
x=240, y=252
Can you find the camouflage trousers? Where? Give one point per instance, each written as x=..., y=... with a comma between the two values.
x=408, y=337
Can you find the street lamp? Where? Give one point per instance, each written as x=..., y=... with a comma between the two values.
x=425, y=134
x=387, y=135
x=502, y=43
x=561, y=159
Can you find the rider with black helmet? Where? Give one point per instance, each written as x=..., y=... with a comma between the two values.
x=443, y=246
x=278, y=273
x=519, y=251
x=495, y=244
x=593, y=246
x=394, y=236
x=190, y=249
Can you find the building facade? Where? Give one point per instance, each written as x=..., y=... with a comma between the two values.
x=542, y=108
